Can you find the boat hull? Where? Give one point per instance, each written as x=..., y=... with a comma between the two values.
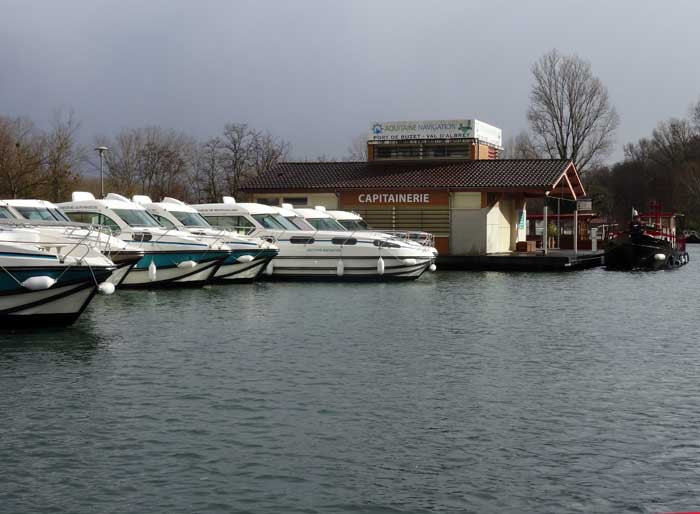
x=233, y=271
x=169, y=274
x=124, y=261
x=60, y=304
x=357, y=269
x=645, y=253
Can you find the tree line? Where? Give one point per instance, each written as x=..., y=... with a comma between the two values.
x=570, y=116
x=154, y=161
x=663, y=167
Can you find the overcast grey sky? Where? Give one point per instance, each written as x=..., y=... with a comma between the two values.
x=317, y=72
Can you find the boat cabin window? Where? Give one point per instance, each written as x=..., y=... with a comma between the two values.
x=94, y=218
x=354, y=224
x=164, y=221
x=5, y=213
x=301, y=240
x=326, y=224
x=190, y=219
x=299, y=222
x=344, y=241
x=136, y=218
x=268, y=221
x=37, y=214
x=238, y=223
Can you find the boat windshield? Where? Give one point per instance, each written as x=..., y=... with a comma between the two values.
x=354, y=224
x=38, y=214
x=6, y=214
x=190, y=219
x=300, y=223
x=136, y=218
x=268, y=221
x=59, y=214
x=326, y=224
x=288, y=225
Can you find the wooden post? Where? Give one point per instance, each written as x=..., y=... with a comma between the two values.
x=576, y=230
x=545, y=236
x=559, y=223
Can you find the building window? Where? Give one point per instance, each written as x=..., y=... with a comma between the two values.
x=297, y=201
x=457, y=151
x=418, y=151
x=398, y=152
x=268, y=201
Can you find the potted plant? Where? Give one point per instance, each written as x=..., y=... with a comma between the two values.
x=551, y=235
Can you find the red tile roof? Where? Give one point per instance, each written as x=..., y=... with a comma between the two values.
x=515, y=174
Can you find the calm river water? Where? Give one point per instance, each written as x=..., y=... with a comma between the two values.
x=460, y=392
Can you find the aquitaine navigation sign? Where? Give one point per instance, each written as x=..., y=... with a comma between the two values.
x=434, y=129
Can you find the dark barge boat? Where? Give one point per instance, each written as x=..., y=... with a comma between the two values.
x=650, y=243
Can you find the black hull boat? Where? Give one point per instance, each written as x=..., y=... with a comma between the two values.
x=645, y=247
x=645, y=252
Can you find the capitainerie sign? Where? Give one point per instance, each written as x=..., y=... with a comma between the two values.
x=435, y=129
x=394, y=198
x=371, y=198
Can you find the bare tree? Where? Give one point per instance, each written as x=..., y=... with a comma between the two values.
x=268, y=152
x=239, y=144
x=63, y=156
x=209, y=170
x=520, y=147
x=149, y=161
x=695, y=117
x=672, y=141
x=357, y=151
x=245, y=153
x=570, y=115
x=21, y=158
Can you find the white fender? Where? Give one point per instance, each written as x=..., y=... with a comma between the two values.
x=152, y=271
x=186, y=264
x=245, y=258
x=269, y=269
x=38, y=283
x=106, y=288
x=340, y=268
x=380, y=266
x=409, y=262
x=432, y=267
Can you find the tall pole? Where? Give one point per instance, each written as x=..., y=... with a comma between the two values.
x=102, y=150
x=102, y=176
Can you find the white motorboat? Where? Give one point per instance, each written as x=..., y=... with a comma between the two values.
x=46, y=279
x=171, y=257
x=249, y=255
x=353, y=221
x=319, y=254
x=47, y=216
x=350, y=220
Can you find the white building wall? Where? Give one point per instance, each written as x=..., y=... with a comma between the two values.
x=467, y=224
x=499, y=227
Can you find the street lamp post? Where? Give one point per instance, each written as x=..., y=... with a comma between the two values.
x=102, y=150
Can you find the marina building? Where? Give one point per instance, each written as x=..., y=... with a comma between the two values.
x=440, y=176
